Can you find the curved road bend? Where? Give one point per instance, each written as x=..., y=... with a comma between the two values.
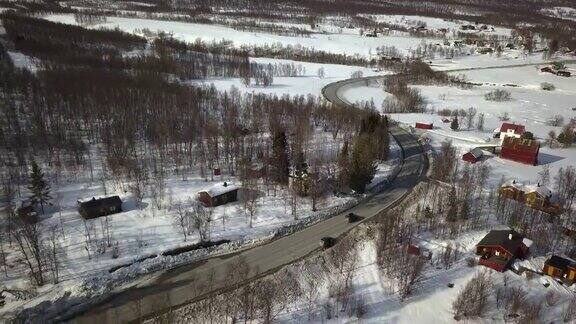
x=180, y=286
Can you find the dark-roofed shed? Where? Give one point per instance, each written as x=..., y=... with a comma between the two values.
x=98, y=207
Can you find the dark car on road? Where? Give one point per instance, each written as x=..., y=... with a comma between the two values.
x=352, y=218
x=327, y=242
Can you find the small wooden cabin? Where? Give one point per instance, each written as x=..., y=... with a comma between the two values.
x=424, y=125
x=98, y=207
x=561, y=268
x=473, y=156
x=219, y=194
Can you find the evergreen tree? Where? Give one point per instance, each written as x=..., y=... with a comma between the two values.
x=428, y=212
x=38, y=186
x=362, y=164
x=300, y=165
x=280, y=161
x=454, y=125
x=344, y=168
x=452, y=214
x=377, y=126
x=465, y=210
x=383, y=137
x=566, y=138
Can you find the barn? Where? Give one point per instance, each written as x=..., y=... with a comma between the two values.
x=218, y=194
x=424, y=125
x=520, y=150
x=473, y=156
x=561, y=268
x=98, y=207
x=499, y=248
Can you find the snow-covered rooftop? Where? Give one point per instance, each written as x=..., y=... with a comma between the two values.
x=527, y=242
x=540, y=189
x=220, y=189
x=477, y=152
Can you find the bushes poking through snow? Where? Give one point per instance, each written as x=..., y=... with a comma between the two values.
x=498, y=95
x=472, y=301
x=547, y=86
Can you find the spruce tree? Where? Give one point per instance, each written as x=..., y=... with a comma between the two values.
x=454, y=125
x=280, y=161
x=362, y=163
x=344, y=168
x=384, y=139
x=465, y=210
x=300, y=165
x=452, y=215
x=38, y=187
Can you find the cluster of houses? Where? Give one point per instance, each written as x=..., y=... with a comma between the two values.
x=95, y=207
x=500, y=248
x=534, y=196
x=468, y=27
x=513, y=147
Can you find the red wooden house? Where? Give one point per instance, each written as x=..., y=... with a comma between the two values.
x=424, y=125
x=520, y=150
x=473, y=156
x=219, y=194
x=499, y=248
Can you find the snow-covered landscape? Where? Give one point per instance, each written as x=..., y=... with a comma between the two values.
x=218, y=135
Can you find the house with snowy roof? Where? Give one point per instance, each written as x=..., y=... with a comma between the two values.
x=510, y=130
x=535, y=196
x=499, y=248
x=218, y=194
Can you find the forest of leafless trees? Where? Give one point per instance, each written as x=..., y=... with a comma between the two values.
x=111, y=108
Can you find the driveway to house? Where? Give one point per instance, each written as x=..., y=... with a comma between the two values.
x=177, y=287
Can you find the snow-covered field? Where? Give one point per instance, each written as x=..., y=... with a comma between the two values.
x=23, y=61
x=349, y=44
x=567, y=13
x=308, y=83
x=431, y=23
x=529, y=106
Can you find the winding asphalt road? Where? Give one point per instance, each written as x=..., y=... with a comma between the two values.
x=174, y=288
x=180, y=286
